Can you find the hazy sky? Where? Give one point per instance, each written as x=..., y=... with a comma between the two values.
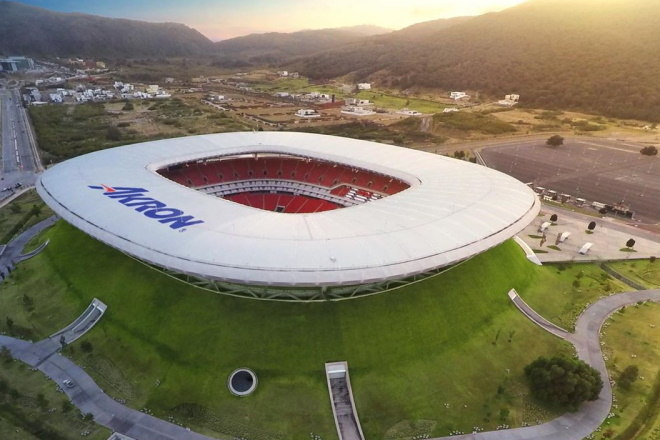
x=220, y=19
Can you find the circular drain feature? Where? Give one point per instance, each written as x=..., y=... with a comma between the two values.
x=242, y=382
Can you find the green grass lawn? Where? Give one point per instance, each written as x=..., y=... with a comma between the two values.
x=34, y=411
x=642, y=271
x=18, y=215
x=632, y=337
x=560, y=292
x=471, y=121
x=446, y=353
x=395, y=102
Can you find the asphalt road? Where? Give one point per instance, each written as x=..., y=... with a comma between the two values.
x=18, y=148
x=602, y=170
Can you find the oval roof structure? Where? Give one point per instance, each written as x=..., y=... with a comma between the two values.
x=451, y=211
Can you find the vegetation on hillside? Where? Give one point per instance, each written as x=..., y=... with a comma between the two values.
x=142, y=351
x=62, y=34
x=554, y=53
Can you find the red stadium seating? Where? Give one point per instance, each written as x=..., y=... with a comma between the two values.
x=357, y=185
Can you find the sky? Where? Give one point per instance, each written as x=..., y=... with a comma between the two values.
x=221, y=19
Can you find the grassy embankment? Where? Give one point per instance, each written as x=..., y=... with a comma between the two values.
x=644, y=272
x=24, y=211
x=441, y=355
x=632, y=338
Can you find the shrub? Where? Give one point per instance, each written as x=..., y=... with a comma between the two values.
x=628, y=376
x=86, y=346
x=113, y=133
x=562, y=381
x=649, y=151
x=555, y=141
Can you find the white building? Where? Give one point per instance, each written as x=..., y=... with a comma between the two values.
x=364, y=86
x=283, y=73
x=152, y=89
x=459, y=95
x=354, y=110
x=308, y=113
x=452, y=210
x=449, y=110
x=407, y=112
x=509, y=100
x=358, y=102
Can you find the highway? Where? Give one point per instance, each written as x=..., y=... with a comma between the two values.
x=19, y=163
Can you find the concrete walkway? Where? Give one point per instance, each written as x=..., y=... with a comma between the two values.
x=14, y=249
x=586, y=339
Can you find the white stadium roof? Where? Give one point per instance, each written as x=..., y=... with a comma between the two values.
x=452, y=210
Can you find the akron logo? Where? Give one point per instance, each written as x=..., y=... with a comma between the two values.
x=148, y=206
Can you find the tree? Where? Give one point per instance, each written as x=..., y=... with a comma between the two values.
x=553, y=218
x=649, y=151
x=592, y=226
x=630, y=243
x=86, y=346
x=563, y=381
x=128, y=106
x=6, y=354
x=9, y=322
x=628, y=376
x=113, y=134
x=66, y=406
x=555, y=141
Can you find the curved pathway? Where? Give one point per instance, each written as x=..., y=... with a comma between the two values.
x=586, y=339
x=13, y=252
x=89, y=398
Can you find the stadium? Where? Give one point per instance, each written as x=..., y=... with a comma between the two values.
x=290, y=216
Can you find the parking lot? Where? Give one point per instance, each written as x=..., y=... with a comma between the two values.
x=598, y=170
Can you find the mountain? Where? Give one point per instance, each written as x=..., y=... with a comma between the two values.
x=366, y=30
x=276, y=47
x=591, y=55
x=39, y=32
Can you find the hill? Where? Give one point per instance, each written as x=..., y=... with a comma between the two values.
x=39, y=32
x=277, y=47
x=590, y=56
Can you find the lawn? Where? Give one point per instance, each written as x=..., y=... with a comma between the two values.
x=465, y=121
x=31, y=408
x=395, y=102
x=561, y=292
x=444, y=354
x=26, y=210
x=632, y=337
x=644, y=272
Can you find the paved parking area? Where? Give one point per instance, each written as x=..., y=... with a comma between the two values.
x=602, y=170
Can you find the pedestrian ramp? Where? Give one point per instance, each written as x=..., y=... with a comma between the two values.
x=82, y=323
x=341, y=398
